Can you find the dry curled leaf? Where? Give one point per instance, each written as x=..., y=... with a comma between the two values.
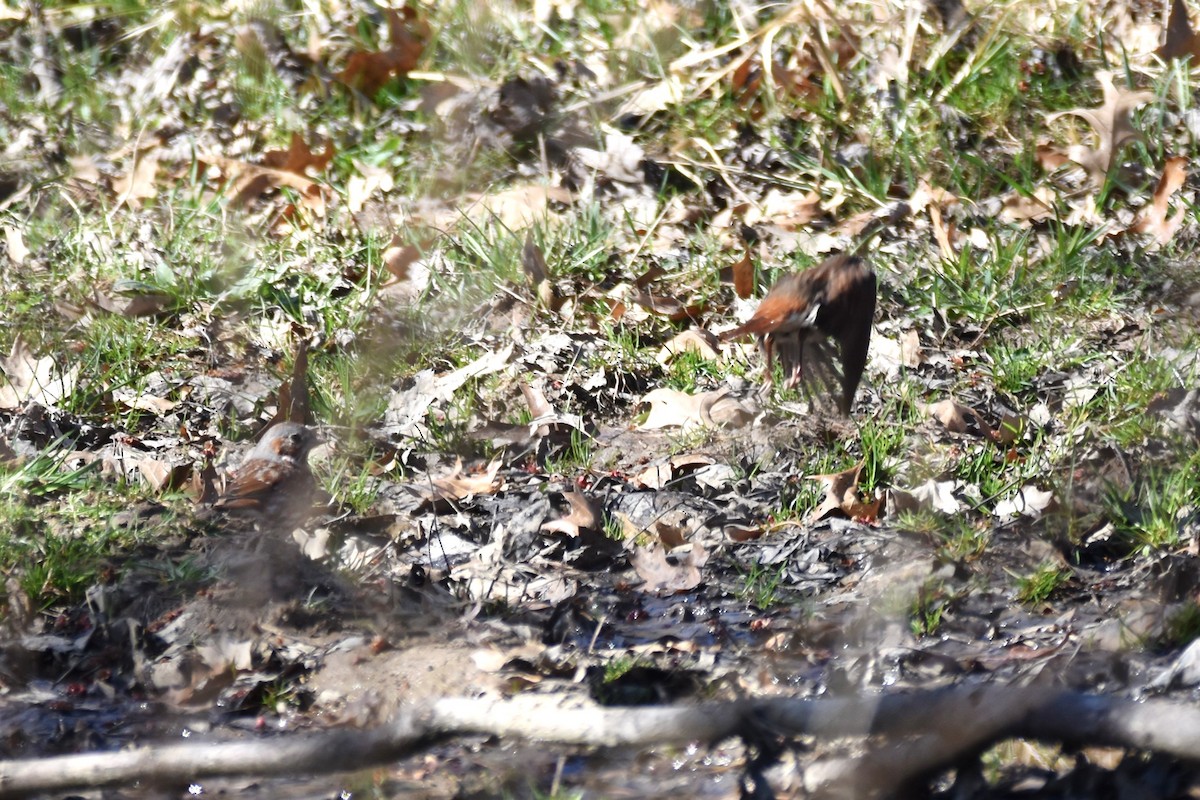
x=299, y=157
x=459, y=485
x=743, y=277
x=131, y=299
x=1153, y=218
x=929, y=496
x=1028, y=207
x=668, y=307
x=161, y=475
x=791, y=211
x=293, y=403
x=660, y=474
x=585, y=516
x=514, y=209
x=398, y=257
x=693, y=340
x=673, y=408
x=27, y=378
x=246, y=183
x=369, y=181
x=661, y=575
x=1113, y=124
x=1028, y=501
x=841, y=495
x=369, y=71
x=960, y=419
x=534, y=262
x=744, y=533
x=138, y=184
x=1050, y=157
x=15, y=245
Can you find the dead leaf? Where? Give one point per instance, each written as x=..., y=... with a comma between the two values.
x=790, y=211
x=224, y=652
x=15, y=245
x=84, y=169
x=293, y=405
x=668, y=307
x=407, y=35
x=205, y=489
x=398, y=257
x=534, y=262
x=1010, y=429
x=536, y=400
x=942, y=233
x=671, y=536
x=959, y=419
x=163, y=475
x=143, y=401
x=661, y=575
x=621, y=160
x=246, y=182
x=1153, y=218
x=316, y=545
x=298, y=158
x=486, y=364
x=1028, y=208
x=585, y=516
x=29, y=379
x=629, y=528
x=1181, y=41
x=673, y=408
x=131, y=300
x=138, y=184
x=662, y=473
x=841, y=495
x=744, y=533
x=459, y=485
x=1028, y=501
x=910, y=348
x=931, y=495
x=361, y=187
x=408, y=408
x=743, y=277
x=694, y=340
x=653, y=98
x=1113, y=124
x=1050, y=157
x=8, y=456
x=515, y=208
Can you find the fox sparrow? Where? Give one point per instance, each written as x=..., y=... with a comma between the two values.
x=836, y=299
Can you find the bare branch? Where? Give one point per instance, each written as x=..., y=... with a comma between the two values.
x=918, y=735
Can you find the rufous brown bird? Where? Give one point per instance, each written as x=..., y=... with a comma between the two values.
x=836, y=298
x=274, y=485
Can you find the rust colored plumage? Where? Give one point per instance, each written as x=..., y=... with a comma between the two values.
x=836, y=299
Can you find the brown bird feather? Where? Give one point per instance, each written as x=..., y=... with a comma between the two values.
x=836, y=298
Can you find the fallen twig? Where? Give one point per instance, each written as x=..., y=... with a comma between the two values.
x=919, y=734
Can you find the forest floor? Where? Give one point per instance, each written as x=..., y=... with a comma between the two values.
x=487, y=251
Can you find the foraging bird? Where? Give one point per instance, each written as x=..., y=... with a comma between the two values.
x=835, y=298
x=274, y=485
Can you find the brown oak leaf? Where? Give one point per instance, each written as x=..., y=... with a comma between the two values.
x=407, y=35
x=298, y=157
x=841, y=495
x=1153, y=218
x=1113, y=123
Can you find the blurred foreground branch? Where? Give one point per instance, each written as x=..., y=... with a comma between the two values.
x=916, y=736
